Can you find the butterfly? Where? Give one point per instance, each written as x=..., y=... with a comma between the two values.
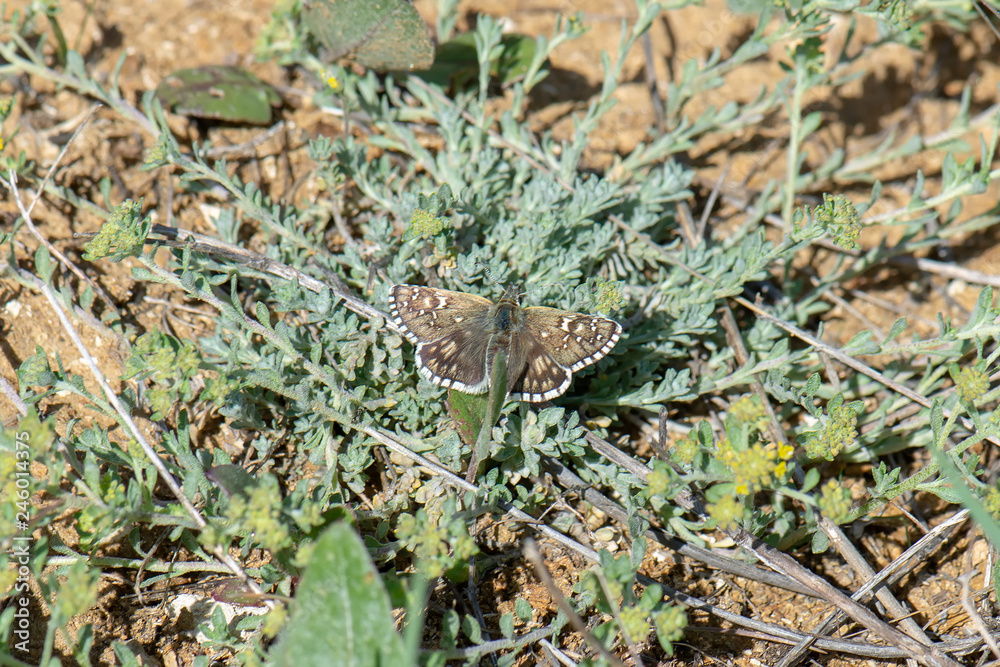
x=458, y=334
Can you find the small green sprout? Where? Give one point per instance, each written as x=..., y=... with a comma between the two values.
x=748, y=410
x=259, y=512
x=840, y=219
x=670, y=624
x=971, y=383
x=122, y=235
x=635, y=621
x=441, y=546
x=77, y=592
x=609, y=297
x=838, y=432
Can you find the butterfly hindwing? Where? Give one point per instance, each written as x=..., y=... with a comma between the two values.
x=456, y=360
x=535, y=375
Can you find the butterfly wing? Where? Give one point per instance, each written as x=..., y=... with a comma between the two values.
x=451, y=332
x=555, y=344
x=456, y=360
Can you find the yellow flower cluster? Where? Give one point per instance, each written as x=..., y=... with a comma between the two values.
x=760, y=466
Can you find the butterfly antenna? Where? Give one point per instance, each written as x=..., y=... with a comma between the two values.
x=537, y=288
x=489, y=274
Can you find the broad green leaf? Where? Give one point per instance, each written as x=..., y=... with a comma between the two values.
x=456, y=64
x=224, y=93
x=341, y=613
x=468, y=411
x=385, y=35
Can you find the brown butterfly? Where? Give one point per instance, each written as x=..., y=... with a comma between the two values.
x=457, y=334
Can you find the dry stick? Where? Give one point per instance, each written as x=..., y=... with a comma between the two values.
x=946, y=270
x=713, y=196
x=126, y=417
x=837, y=300
x=626, y=637
x=649, y=69
x=685, y=218
x=247, y=146
x=891, y=307
x=182, y=238
x=535, y=557
x=865, y=572
x=472, y=591
x=557, y=654
x=781, y=562
x=500, y=644
x=986, y=19
x=735, y=341
x=977, y=620
x=12, y=396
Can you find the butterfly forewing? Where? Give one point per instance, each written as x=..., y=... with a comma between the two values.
x=427, y=313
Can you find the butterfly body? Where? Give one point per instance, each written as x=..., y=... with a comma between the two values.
x=457, y=336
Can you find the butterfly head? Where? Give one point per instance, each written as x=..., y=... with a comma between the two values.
x=512, y=293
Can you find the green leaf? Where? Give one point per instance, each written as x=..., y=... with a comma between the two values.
x=809, y=124
x=122, y=235
x=456, y=63
x=341, y=609
x=523, y=609
x=470, y=626
x=820, y=542
x=43, y=263
x=942, y=490
x=215, y=91
x=263, y=316
x=861, y=344
x=468, y=411
x=386, y=35
x=897, y=328
x=232, y=479
x=507, y=624
x=811, y=480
